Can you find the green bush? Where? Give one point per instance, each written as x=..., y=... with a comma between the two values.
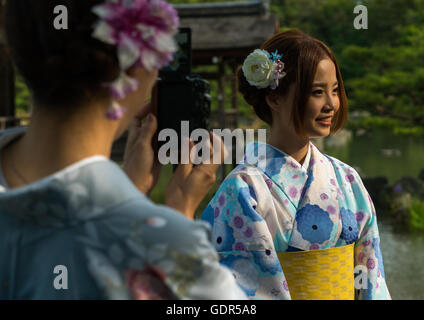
x=417, y=215
x=22, y=97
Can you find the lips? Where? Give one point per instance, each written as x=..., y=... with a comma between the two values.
x=325, y=120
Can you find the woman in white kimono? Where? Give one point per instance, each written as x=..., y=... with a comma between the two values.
x=72, y=224
x=290, y=221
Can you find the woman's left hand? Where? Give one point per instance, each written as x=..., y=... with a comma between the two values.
x=140, y=163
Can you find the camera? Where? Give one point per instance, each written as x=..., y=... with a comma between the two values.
x=180, y=95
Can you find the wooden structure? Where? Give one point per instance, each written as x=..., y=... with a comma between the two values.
x=223, y=34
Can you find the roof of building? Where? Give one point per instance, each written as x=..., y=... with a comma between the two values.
x=213, y=9
x=231, y=27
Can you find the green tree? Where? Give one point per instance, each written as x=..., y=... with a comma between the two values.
x=389, y=80
x=383, y=66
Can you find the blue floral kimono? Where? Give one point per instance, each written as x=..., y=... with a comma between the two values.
x=86, y=232
x=271, y=204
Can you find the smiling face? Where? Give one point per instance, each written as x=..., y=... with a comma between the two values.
x=321, y=106
x=324, y=101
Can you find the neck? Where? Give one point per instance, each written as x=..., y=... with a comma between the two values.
x=291, y=143
x=54, y=141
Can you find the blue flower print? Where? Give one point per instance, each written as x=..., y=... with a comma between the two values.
x=314, y=224
x=377, y=251
x=248, y=210
x=252, y=193
x=208, y=215
x=266, y=158
x=308, y=182
x=244, y=272
x=349, y=226
x=274, y=163
x=267, y=261
x=222, y=236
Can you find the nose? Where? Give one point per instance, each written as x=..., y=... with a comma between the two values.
x=332, y=103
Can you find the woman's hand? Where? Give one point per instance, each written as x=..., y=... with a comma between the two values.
x=190, y=184
x=140, y=162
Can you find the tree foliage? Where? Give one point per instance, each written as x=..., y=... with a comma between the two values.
x=383, y=66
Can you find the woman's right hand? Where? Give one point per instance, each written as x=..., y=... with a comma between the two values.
x=190, y=184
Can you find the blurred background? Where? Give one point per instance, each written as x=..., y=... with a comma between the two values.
x=383, y=71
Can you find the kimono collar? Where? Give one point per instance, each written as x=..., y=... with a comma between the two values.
x=283, y=170
x=271, y=160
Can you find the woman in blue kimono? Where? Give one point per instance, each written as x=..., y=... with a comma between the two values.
x=290, y=221
x=72, y=223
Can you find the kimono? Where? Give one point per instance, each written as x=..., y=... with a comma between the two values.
x=270, y=204
x=86, y=232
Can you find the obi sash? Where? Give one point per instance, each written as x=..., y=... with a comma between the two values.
x=326, y=274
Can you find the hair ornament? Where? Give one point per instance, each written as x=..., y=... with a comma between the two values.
x=262, y=69
x=143, y=32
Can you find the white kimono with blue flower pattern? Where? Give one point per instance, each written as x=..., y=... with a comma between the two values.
x=272, y=204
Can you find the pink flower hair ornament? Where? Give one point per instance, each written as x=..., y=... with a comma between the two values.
x=143, y=32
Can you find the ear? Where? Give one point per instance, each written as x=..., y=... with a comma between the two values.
x=273, y=101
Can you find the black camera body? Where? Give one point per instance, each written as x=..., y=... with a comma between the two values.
x=181, y=95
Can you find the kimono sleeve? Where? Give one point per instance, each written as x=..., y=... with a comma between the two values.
x=242, y=238
x=370, y=279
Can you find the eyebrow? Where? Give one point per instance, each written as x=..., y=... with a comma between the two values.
x=322, y=84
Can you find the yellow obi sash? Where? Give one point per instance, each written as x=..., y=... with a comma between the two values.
x=325, y=274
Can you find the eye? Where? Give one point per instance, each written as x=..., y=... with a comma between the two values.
x=317, y=92
x=336, y=90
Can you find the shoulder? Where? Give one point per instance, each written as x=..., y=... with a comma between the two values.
x=243, y=181
x=245, y=175
x=244, y=191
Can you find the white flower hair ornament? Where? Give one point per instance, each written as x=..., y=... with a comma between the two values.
x=262, y=69
x=143, y=32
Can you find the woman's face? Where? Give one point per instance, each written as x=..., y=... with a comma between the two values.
x=320, y=108
x=324, y=101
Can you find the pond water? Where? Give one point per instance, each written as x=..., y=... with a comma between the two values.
x=381, y=153
x=403, y=256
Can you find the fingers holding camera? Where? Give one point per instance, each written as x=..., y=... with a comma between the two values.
x=217, y=152
x=135, y=126
x=190, y=184
x=139, y=159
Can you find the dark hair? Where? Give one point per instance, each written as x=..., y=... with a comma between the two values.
x=302, y=53
x=63, y=68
